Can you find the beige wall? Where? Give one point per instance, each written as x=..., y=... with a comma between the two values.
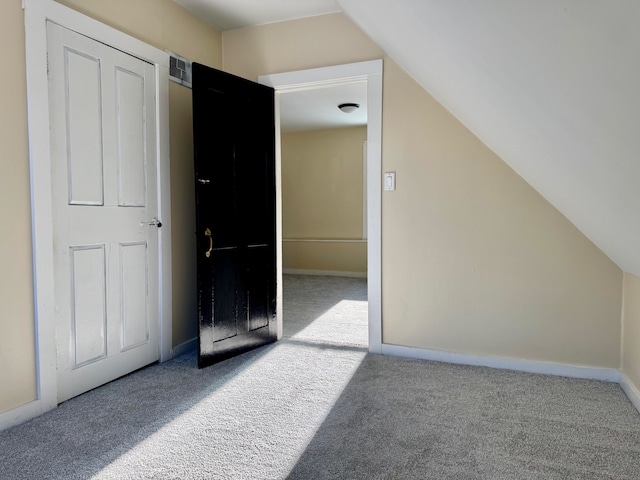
x=473, y=259
x=631, y=329
x=322, y=183
x=288, y=46
x=343, y=257
x=165, y=25
x=17, y=350
x=322, y=198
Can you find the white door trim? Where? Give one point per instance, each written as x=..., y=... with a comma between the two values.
x=371, y=72
x=37, y=13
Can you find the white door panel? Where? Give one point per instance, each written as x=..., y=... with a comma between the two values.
x=131, y=136
x=104, y=187
x=88, y=304
x=84, y=128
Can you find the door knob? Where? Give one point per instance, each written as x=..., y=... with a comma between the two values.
x=207, y=233
x=153, y=221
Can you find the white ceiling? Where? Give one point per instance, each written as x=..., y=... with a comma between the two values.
x=318, y=108
x=552, y=86
x=230, y=14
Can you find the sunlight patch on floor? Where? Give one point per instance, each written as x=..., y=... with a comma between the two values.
x=269, y=412
x=344, y=323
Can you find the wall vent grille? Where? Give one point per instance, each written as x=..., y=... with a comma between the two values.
x=180, y=69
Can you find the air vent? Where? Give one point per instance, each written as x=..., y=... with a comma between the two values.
x=180, y=70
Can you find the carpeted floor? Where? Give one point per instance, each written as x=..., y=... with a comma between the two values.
x=316, y=406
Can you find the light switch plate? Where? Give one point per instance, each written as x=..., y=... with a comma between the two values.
x=389, y=181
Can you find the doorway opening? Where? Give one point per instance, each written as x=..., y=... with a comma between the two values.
x=324, y=245
x=344, y=306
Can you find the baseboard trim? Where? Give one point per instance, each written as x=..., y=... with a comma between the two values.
x=23, y=413
x=326, y=273
x=630, y=390
x=188, y=346
x=531, y=366
x=30, y=410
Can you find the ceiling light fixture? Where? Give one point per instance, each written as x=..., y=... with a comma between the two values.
x=348, y=107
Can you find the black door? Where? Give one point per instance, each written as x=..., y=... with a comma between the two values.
x=234, y=132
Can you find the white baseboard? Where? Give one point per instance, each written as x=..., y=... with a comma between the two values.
x=23, y=413
x=531, y=366
x=631, y=390
x=185, y=347
x=327, y=273
x=33, y=409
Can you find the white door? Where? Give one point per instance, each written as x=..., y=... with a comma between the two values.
x=104, y=189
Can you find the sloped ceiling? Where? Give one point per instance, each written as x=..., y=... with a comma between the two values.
x=552, y=86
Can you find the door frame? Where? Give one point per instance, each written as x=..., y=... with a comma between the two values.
x=371, y=73
x=37, y=13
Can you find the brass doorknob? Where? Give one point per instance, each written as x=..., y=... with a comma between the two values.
x=207, y=233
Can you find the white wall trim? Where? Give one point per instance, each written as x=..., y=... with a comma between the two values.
x=326, y=273
x=184, y=347
x=324, y=240
x=37, y=13
x=41, y=219
x=364, y=190
x=21, y=414
x=84, y=25
x=630, y=390
x=279, y=296
x=370, y=72
x=165, y=287
x=531, y=366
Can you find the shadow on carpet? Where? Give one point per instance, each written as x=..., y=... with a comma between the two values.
x=412, y=419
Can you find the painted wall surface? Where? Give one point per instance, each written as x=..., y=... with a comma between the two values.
x=473, y=259
x=631, y=329
x=322, y=198
x=325, y=256
x=161, y=23
x=322, y=183
x=17, y=347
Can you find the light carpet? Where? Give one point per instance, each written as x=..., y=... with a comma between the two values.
x=316, y=406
